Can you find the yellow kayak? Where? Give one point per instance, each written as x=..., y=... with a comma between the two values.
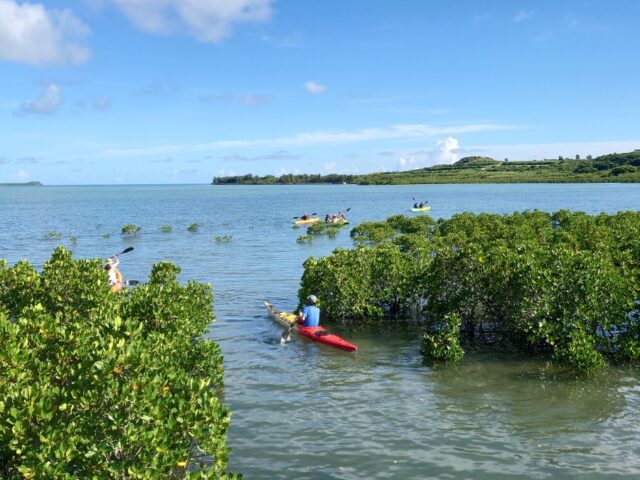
x=308, y=221
x=423, y=209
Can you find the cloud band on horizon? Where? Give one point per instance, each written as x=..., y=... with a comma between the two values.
x=315, y=138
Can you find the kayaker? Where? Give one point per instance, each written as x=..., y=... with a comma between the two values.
x=304, y=216
x=415, y=205
x=310, y=314
x=115, y=277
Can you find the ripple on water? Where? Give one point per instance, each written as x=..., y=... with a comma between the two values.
x=305, y=412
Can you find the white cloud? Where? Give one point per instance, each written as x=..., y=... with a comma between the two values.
x=46, y=104
x=410, y=162
x=314, y=88
x=446, y=151
x=330, y=167
x=251, y=99
x=99, y=103
x=162, y=89
x=315, y=138
x=32, y=34
x=523, y=15
x=20, y=176
x=206, y=20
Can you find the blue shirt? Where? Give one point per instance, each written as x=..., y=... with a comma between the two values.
x=311, y=316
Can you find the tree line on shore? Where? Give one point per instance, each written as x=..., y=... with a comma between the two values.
x=615, y=167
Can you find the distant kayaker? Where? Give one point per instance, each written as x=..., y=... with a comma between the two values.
x=310, y=315
x=304, y=217
x=415, y=205
x=115, y=277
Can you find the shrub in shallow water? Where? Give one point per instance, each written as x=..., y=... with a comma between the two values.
x=562, y=285
x=304, y=238
x=99, y=385
x=443, y=340
x=193, y=227
x=130, y=230
x=322, y=228
x=166, y=229
x=223, y=238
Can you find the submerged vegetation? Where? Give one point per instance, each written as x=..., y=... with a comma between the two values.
x=130, y=230
x=562, y=285
x=103, y=385
x=166, y=229
x=324, y=228
x=193, y=227
x=616, y=167
x=52, y=236
x=305, y=238
x=223, y=238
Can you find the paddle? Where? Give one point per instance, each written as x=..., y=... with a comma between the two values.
x=286, y=335
x=126, y=250
x=309, y=215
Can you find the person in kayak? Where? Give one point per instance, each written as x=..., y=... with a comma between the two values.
x=310, y=314
x=415, y=205
x=115, y=277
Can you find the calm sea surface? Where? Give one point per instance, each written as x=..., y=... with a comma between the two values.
x=305, y=412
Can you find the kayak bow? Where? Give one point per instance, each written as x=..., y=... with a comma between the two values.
x=308, y=221
x=317, y=334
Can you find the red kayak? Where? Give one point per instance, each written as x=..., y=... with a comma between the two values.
x=317, y=334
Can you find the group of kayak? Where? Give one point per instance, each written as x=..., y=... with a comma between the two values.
x=306, y=323
x=337, y=218
x=421, y=207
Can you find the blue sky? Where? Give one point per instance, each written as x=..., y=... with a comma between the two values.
x=179, y=91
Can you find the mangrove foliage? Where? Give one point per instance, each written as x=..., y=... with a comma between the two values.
x=562, y=285
x=105, y=385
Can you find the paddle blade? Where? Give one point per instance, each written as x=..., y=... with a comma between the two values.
x=126, y=250
x=286, y=337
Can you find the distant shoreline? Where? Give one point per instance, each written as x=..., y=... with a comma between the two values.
x=22, y=184
x=611, y=168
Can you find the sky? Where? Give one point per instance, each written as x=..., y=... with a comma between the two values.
x=180, y=91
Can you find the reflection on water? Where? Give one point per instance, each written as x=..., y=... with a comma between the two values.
x=301, y=411
x=536, y=419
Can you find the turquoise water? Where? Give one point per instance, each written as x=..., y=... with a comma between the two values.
x=301, y=411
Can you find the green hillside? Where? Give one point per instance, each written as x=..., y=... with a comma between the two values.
x=615, y=167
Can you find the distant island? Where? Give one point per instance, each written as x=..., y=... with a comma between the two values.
x=614, y=168
x=23, y=184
